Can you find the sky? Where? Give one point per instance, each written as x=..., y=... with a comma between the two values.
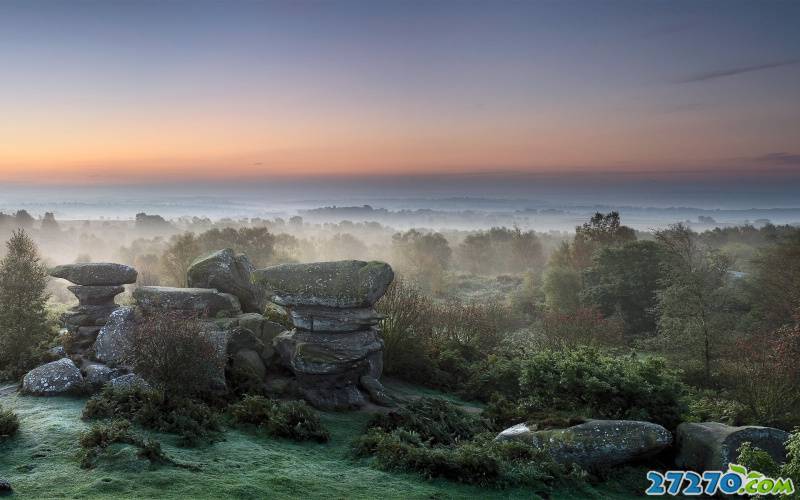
x=152, y=92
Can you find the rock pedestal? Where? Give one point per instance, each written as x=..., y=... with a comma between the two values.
x=335, y=349
x=96, y=285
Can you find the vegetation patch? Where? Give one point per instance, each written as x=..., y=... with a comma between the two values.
x=285, y=419
x=9, y=423
x=101, y=436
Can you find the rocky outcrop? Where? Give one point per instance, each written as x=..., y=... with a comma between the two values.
x=206, y=302
x=334, y=350
x=596, y=443
x=114, y=335
x=96, y=285
x=96, y=274
x=712, y=445
x=228, y=273
x=53, y=379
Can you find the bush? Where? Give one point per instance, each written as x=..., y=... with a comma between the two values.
x=439, y=440
x=285, y=419
x=792, y=466
x=586, y=382
x=100, y=436
x=173, y=351
x=756, y=459
x=708, y=407
x=9, y=423
x=192, y=420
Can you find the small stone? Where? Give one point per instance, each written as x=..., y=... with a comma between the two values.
x=129, y=381
x=5, y=487
x=98, y=375
x=96, y=273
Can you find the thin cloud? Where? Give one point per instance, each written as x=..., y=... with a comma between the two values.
x=712, y=75
x=779, y=159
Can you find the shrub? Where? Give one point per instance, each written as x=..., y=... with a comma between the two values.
x=100, y=436
x=708, y=407
x=792, y=466
x=588, y=382
x=434, y=421
x=9, y=423
x=285, y=419
x=173, y=351
x=584, y=326
x=192, y=420
x=756, y=459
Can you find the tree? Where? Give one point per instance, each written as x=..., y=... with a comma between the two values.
x=424, y=256
x=23, y=315
x=601, y=230
x=176, y=260
x=562, y=288
x=775, y=284
x=624, y=280
x=694, y=302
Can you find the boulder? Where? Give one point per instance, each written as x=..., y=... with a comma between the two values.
x=596, y=443
x=377, y=393
x=342, y=284
x=712, y=445
x=96, y=295
x=98, y=375
x=264, y=330
x=5, y=487
x=328, y=319
x=228, y=273
x=203, y=301
x=111, y=341
x=250, y=361
x=96, y=273
x=53, y=379
x=129, y=381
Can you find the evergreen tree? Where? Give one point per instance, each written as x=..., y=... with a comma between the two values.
x=23, y=317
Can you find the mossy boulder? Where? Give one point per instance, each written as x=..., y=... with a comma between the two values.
x=340, y=284
x=207, y=302
x=713, y=445
x=595, y=444
x=230, y=273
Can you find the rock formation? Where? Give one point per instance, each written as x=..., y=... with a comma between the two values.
x=596, y=443
x=96, y=285
x=228, y=273
x=53, y=379
x=335, y=349
x=712, y=445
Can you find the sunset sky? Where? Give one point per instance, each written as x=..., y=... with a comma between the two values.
x=151, y=91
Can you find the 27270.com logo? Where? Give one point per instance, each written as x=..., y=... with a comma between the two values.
x=737, y=480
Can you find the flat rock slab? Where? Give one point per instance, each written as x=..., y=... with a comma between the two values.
x=229, y=273
x=327, y=354
x=203, y=301
x=53, y=379
x=341, y=284
x=713, y=445
x=597, y=443
x=328, y=319
x=96, y=273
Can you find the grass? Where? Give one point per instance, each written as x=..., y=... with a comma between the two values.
x=41, y=462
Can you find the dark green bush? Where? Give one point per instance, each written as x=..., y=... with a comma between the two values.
x=587, y=382
x=434, y=421
x=9, y=423
x=102, y=435
x=193, y=421
x=286, y=419
x=756, y=459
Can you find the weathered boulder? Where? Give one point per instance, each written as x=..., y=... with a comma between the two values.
x=98, y=375
x=96, y=295
x=53, y=379
x=129, y=381
x=596, y=443
x=95, y=273
x=203, y=301
x=712, y=445
x=264, y=330
x=329, y=319
x=5, y=487
x=341, y=284
x=114, y=335
x=228, y=273
x=249, y=361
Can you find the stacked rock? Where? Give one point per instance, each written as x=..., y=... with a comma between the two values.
x=96, y=285
x=335, y=349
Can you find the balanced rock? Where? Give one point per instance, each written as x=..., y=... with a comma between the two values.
x=207, y=302
x=229, y=273
x=596, y=443
x=96, y=295
x=114, y=335
x=713, y=445
x=340, y=284
x=53, y=379
x=95, y=273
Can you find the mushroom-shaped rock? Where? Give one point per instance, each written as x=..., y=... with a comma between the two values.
x=596, y=443
x=713, y=445
x=113, y=337
x=53, y=379
x=340, y=284
x=203, y=301
x=229, y=273
x=95, y=273
x=95, y=295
